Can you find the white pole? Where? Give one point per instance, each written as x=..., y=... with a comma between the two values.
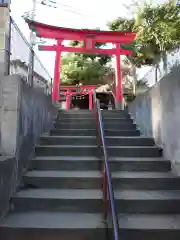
x=32, y=43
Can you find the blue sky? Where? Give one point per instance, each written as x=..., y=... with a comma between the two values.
x=92, y=14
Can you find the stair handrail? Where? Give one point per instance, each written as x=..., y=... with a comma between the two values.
x=108, y=191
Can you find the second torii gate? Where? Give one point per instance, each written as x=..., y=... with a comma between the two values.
x=90, y=38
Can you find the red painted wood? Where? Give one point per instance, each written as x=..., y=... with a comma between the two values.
x=55, y=93
x=119, y=90
x=89, y=43
x=47, y=31
x=84, y=50
x=68, y=101
x=73, y=93
x=89, y=87
x=90, y=100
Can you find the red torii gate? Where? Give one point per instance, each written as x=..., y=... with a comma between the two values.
x=90, y=38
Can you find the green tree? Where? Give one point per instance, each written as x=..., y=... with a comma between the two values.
x=76, y=67
x=158, y=31
x=101, y=58
x=87, y=68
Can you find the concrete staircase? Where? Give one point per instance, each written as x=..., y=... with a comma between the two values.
x=61, y=195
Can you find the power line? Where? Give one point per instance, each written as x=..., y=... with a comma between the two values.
x=56, y=4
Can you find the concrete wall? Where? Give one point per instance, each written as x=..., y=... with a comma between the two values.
x=157, y=113
x=25, y=114
x=15, y=69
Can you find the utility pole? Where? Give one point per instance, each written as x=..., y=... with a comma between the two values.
x=32, y=44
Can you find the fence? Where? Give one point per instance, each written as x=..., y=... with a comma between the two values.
x=158, y=71
x=20, y=51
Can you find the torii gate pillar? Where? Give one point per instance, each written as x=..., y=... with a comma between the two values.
x=119, y=87
x=57, y=70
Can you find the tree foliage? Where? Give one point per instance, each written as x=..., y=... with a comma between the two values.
x=102, y=59
x=86, y=68
x=77, y=67
x=157, y=28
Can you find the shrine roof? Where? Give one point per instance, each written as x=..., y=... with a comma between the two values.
x=41, y=28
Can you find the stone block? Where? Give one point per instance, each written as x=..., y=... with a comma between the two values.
x=4, y=20
x=7, y=179
x=4, y=62
x=9, y=128
x=11, y=92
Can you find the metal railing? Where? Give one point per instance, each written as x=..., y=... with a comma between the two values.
x=19, y=59
x=159, y=70
x=108, y=192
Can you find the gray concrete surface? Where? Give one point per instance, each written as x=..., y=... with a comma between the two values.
x=157, y=113
x=25, y=114
x=4, y=40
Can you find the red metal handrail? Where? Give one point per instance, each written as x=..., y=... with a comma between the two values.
x=108, y=193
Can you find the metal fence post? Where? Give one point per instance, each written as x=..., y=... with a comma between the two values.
x=32, y=43
x=26, y=58
x=31, y=68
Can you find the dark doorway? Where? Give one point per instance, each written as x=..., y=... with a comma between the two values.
x=80, y=102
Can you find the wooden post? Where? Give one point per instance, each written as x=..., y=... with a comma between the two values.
x=57, y=70
x=68, y=101
x=90, y=100
x=119, y=88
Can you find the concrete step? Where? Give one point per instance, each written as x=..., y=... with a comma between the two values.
x=92, y=140
x=63, y=179
x=134, y=151
x=91, y=201
x=109, y=120
x=73, y=132
x=67, y=200
x=75, y=117
x=72, y=140
x=149, y=226
x=148, y=201
x=119, y=126
x=95, y=163
x=146, y=180
x=52, y=225
x=92, y=132
x=83, y=113
x=73, y=111
x=129, y=141
x=121, y=133
x=93, y=150
x=80, y=226
x=67, y=150
x=115, y=112
x=93, y=180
